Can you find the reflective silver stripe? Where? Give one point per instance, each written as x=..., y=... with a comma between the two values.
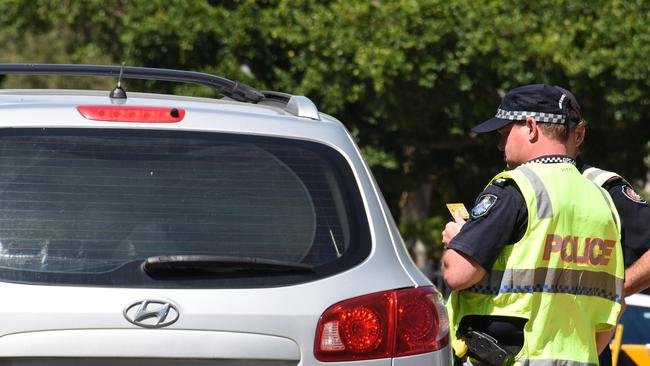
x=611, y=210
x=555, y=363
x=592, y=173
x=544, y=206
x=550, y=280
x=598, y=176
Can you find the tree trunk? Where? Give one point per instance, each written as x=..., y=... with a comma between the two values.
x=414, y=206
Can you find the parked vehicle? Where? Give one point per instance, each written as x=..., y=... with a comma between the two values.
x=635, y=340
x=149, y=229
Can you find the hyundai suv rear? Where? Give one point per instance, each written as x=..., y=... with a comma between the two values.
x=149, y=229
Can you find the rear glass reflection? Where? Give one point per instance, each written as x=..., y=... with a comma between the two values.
x=89, y=201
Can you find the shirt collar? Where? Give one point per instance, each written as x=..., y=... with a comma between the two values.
x=551, y=159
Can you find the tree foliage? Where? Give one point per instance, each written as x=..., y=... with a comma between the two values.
x=408, y=77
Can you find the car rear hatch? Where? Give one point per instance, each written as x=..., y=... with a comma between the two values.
x=134, y=246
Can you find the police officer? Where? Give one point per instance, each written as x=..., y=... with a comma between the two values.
x=537, y=271
x=632, y=209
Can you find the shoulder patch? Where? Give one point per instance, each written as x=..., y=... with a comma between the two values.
x=631, y=194
x=483, y=205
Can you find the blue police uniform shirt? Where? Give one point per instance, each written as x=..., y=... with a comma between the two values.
x=503, y=223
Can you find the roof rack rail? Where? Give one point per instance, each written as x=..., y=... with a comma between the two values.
x=229, y=88
x=297, y=105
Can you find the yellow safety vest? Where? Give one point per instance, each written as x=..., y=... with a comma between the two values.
x=565, y=275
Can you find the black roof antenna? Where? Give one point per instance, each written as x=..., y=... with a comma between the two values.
x=118, y=92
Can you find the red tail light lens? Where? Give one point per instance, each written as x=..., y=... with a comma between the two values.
x=357, y=329
x=386, y=324
x=422, y=323
x=113, y=113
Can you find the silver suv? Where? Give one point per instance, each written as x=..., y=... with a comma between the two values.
x=150, y=229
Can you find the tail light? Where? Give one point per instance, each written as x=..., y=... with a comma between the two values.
x=111, y=113
x=380, y=325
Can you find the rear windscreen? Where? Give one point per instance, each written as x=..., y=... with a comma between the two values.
x=88, y=206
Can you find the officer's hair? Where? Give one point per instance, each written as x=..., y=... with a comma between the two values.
x=558, y=131
x=555, y=131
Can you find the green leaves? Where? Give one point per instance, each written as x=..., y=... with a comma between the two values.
x=410, y=77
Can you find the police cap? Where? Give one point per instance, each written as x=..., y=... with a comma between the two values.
x=546, y=103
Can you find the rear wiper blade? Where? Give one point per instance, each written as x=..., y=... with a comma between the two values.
x=197, y=264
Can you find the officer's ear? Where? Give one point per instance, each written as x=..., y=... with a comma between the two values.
x=580, y=132
x=533, y=129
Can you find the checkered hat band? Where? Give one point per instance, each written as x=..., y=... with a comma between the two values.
x=522, y=115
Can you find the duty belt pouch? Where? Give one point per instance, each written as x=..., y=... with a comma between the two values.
x=486, y=349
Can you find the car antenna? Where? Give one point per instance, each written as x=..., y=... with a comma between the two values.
x=118, y=92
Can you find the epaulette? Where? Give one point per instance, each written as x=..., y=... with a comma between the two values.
x=501, y=182
x=615, y=181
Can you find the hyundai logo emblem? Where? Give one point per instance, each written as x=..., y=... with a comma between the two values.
x=151, y=313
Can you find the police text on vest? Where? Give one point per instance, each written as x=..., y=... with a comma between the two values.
x=595, y=251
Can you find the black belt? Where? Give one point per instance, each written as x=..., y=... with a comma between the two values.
x=486, y=349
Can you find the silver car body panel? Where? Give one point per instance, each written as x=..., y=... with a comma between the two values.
x=272, y=324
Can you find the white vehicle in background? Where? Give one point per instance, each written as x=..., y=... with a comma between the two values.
x=635, y=341
x=151, y=229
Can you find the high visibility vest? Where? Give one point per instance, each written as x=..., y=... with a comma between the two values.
x=599, y=176
x=565, y=275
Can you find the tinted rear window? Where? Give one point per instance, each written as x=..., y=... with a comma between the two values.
x=88, y=206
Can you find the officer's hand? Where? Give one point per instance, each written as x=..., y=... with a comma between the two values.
x=452, y=228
